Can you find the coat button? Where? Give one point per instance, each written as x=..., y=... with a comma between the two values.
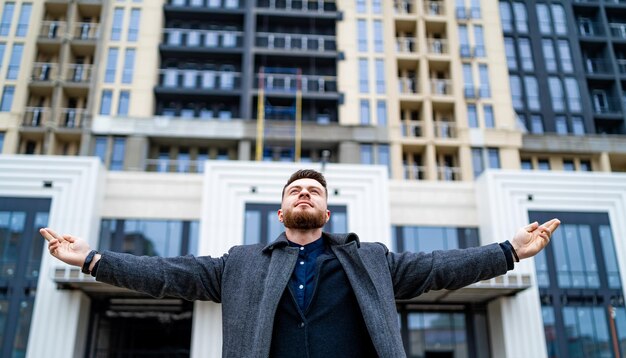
x=301, y=324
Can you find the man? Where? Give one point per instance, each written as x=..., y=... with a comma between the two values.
x=308, y=293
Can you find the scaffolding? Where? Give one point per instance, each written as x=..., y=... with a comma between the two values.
x=279, y=80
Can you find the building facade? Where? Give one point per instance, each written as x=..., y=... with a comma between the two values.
x=409, y=107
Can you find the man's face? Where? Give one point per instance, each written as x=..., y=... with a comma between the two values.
x=304, y=205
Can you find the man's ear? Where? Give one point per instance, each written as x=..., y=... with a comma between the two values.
x=280, y=215
x=327, y=215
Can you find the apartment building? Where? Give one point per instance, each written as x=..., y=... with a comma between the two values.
x=409, y=107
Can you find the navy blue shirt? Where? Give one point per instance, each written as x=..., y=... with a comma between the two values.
x=302, y=282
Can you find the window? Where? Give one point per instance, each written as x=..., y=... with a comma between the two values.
x=532, y=92
x=556, y=94
x=468, y=81
x=585, y=166
x=367, y=156
x=560, y=22
x=483, y=73
x=511, y=57
x=477, y=161
x=363, y=76
x=24, y=19
x=109, y=73
x=568, y=165
x=117, y=154
x=360, y=6
x=7, y=98
x=472, y=116
x=129, y=65
x=543, y=15
x=3, y=47
x=548, y=55
x=380, y=76
x=116, y=27
x=536, y=124
x=560, y=123
x=490, y=121
x=100, y=148
x=516, y=91
x=14, y=62
x=475, y=9
x=526, y=54
x=362, y=35
x=381, y=113
x=464, y=41
x=1, y=141
x=123, y=104
x=383, y=157
x=378, y=36
x=578, y=127
x=543, y=164
x=479, y=42
x=527, y=164
x=573, y=94
x=521, y=17
x=376, y=7
x=365, y=112
x=431, y=238
x=133, y=25
x=493, y=155
x=565, y=56
x=506, y=17
x=105, y=102
x=7, y=17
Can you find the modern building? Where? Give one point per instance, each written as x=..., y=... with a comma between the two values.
x=411, y=108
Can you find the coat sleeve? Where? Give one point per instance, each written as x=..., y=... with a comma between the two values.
x=187, y=277
x=415, y=273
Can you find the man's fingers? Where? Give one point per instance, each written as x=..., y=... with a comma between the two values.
x=531, y=227
x=552, y=224
x=69, y=238
x=47, y=234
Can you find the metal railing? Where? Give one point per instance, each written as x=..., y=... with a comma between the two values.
x=403, y=7
x=412, y=129
x=45, y=71
x=86, y=31
x=434, y=8
x=296, y=42
x=408, y=85
x=316, y=6
x=52, y=29
x=590, y=28
x=278, y=82
x=414, y=172
x=605, y=105
x=71, y=117
x=174, y=166
x=211, y=4
x=199, y=79
x=618, y=29
x=597, y=66
x=621, y=65
x=406, y=44
x=440, y=86
x=36, y=116
x=76, y=72
x=202, y=38
x=445, y=130
x=445, y=173
x=437, y=46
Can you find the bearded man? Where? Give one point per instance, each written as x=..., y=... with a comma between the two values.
x=308, y=293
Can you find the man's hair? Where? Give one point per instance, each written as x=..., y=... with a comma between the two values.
x=306, y=174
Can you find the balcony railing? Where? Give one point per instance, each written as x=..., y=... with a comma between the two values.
x=296, y=42
x=414, y=172
x=52, y=29
x=408, y=85
x=86, y=31
x=313, y=6
x=597, y=66
x=437, y=46
x=210, y=4
x=403, y=7
x=202, y=38
x=200, y=79
x=76, y=72
x=406, y=45
x=434, y=8
x=445, y=130
x=605, y=105
x=621, y=65
x=412, y=129
x=45, y=71
x=71, y=117
x=445, y=173
x=174, y=166
x=440, y=86
x=618, y=29
x=590, y=28
x=288, y=83
x=36, y=116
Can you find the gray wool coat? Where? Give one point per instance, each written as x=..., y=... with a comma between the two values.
x=250, y=280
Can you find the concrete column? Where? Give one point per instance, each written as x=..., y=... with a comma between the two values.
x=349, y=153
x=605, y=162
x=136, y=153
x=244, y=149
x=430, y=162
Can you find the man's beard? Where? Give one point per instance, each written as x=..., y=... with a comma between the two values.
x=304, y=220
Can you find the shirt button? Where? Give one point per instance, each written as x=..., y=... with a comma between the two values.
x=301, y=248
x=301, y=262
x=301, y=324
x=301, y=286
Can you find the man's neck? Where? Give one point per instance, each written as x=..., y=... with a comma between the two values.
x=303, y=237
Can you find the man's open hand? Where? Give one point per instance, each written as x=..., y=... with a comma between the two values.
x=531, y=239
x=67, y=248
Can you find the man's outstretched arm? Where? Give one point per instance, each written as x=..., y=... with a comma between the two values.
x=416, y=273
x=188, y=277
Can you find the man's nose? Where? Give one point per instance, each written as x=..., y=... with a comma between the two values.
x=304, y=192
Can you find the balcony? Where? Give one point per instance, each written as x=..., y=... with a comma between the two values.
x=406, y=45
x=86, y=31
x=597, y=66
x=71, y=118
x=618, y=30
x=408, y=85
x=587, y=28
x=437, y=46
x=78, y=73
x=44, y=72
x=621, y=65
x=445, y=130
x=414, y=172
x=445, y=173
x=403, y=7
x=441, y=87
x=202, y=39
x=296, y=42
x=174, y=166
x=299, y=6
x=206, y=4
x=52, y=30
x=604, y=105
x=434, y=8
x=412, y=129
x=288, y=83
x=201, y=80
x=36, y=117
